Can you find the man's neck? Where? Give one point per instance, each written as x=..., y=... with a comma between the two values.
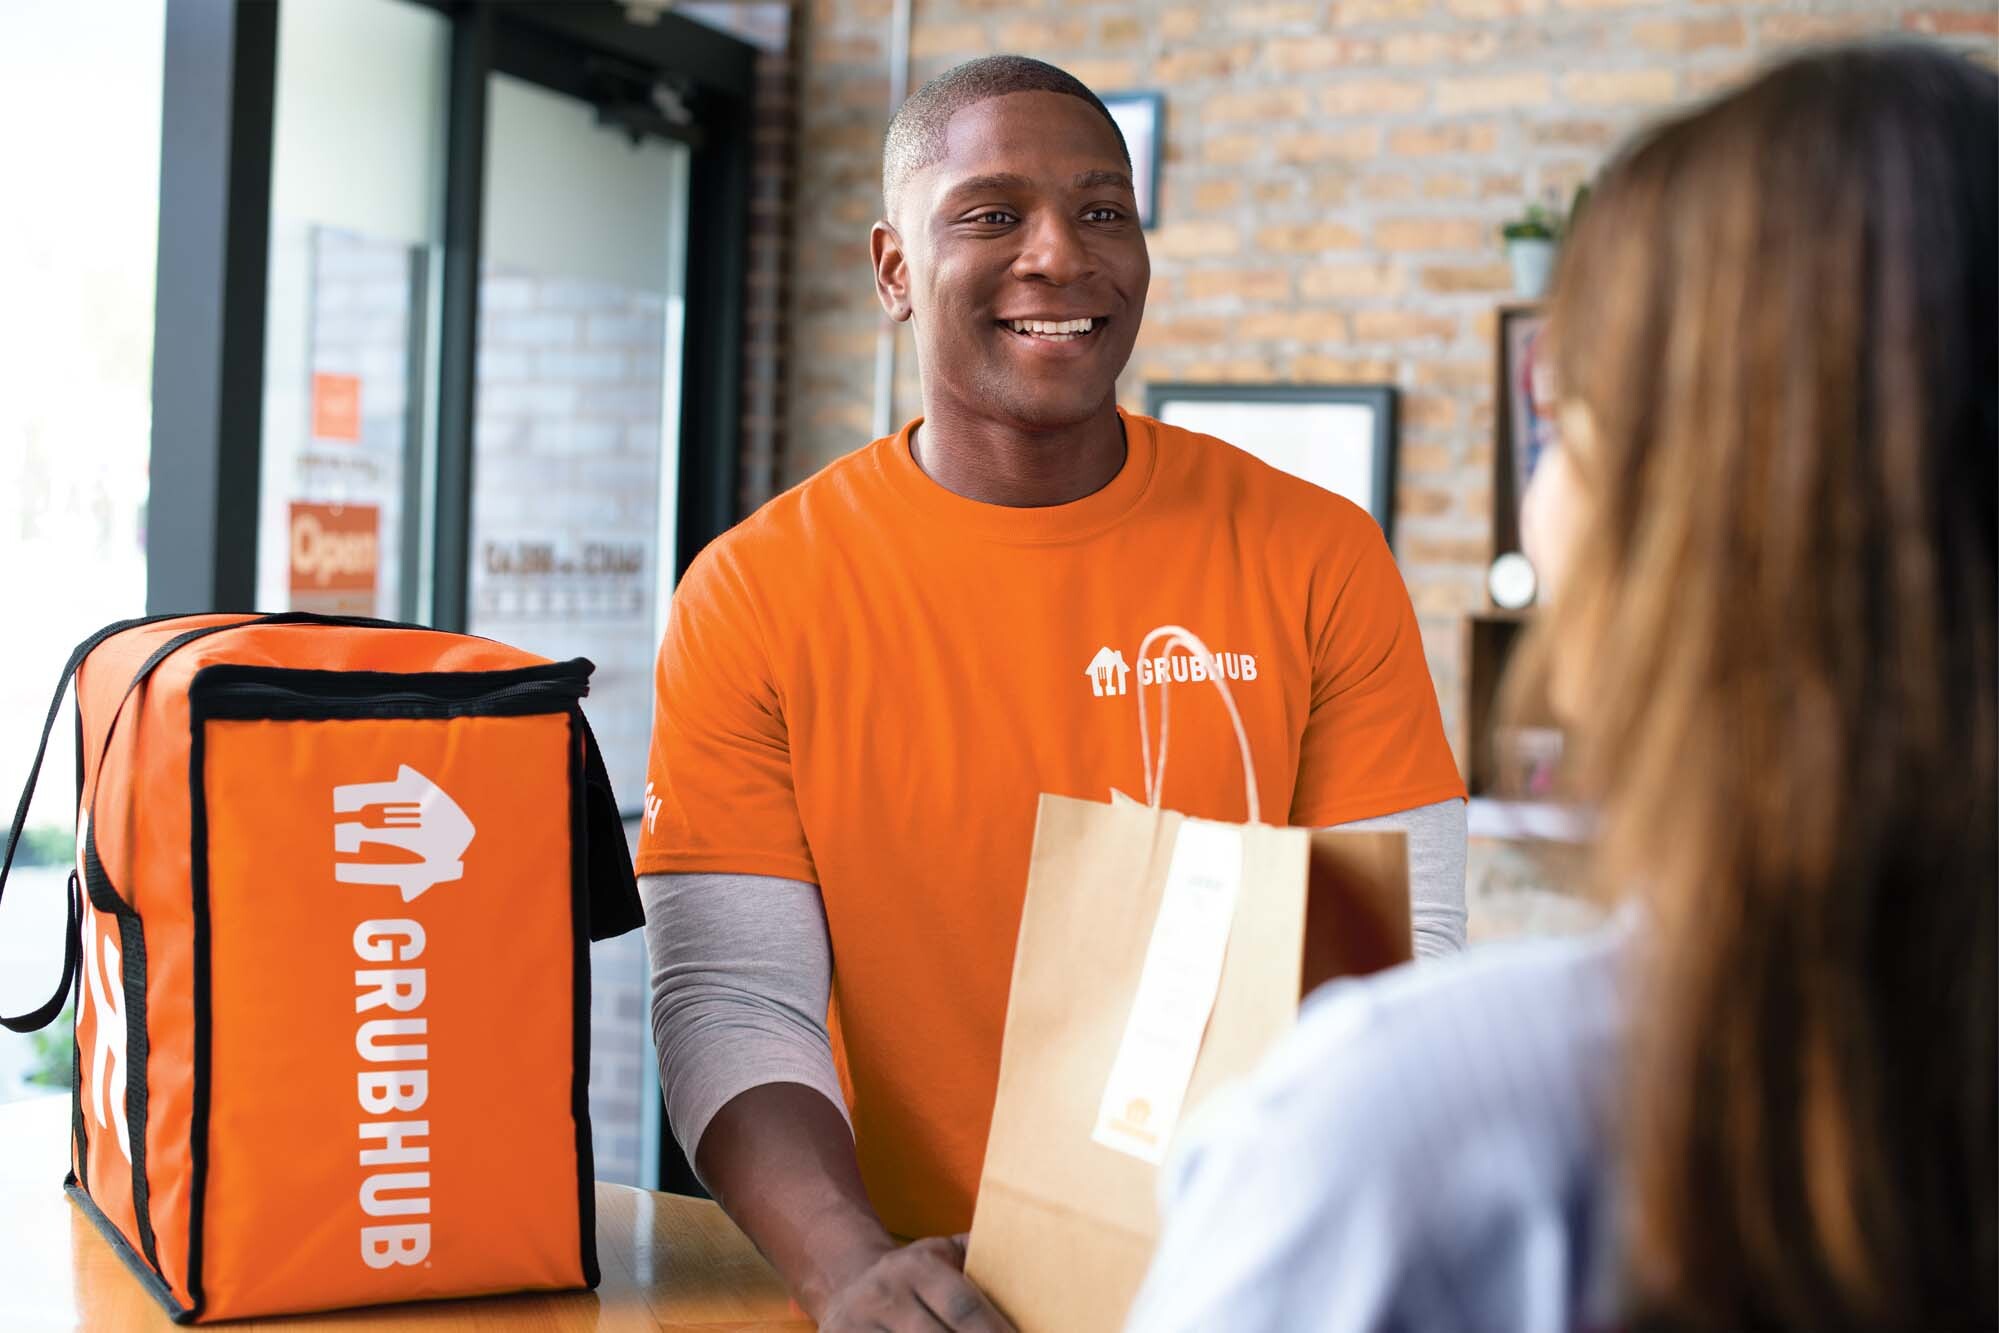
x=1001, y=464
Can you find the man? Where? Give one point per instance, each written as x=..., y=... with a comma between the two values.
x=864, y=687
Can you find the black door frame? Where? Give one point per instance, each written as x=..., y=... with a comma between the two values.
x=219, y=84
x=218, y=94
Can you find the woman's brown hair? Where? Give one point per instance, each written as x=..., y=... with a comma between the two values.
x=1776, y=643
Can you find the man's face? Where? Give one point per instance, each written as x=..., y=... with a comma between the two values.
x=1027, y=222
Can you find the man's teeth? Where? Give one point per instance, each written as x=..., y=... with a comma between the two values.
x=1053, y=328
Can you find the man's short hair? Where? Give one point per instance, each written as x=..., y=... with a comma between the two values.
x=916, y=134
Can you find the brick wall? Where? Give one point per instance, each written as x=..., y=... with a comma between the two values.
x=769, y=26
x=620, y=1049
x=767, y=266
x=566, y=450
x=565, y=512
x=1335, y=174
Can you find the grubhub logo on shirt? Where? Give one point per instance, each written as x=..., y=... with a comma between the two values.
x=1110, y=674
x=418, y=819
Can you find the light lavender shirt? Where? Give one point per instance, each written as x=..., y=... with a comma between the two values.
x=1427, y=1150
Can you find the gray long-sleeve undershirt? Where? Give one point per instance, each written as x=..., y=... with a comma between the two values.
x=742, y=968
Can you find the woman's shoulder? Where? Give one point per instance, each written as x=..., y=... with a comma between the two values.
x=1432, y=1134
x=1466, y=1024
x=1513, y=1044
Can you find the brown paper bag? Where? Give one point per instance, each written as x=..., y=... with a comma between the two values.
x=1064, y=1226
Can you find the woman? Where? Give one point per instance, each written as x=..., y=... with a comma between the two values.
x=1765, y=1096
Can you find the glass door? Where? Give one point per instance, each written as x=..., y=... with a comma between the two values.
x=77, y=255
x=460, y=293
x=575, y=463
x=575, y=443
x=356, y=221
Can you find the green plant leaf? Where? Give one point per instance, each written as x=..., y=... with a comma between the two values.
x=53, y=1047
x=46, y=845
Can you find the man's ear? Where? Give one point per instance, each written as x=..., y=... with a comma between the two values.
x=891, y=271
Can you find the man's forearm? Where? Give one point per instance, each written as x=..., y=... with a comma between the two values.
x=780, y=1160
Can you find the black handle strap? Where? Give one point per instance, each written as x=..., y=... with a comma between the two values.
x=41, y=1017
x=615, y=907
x=614, y=888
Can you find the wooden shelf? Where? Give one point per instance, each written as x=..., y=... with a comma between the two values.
x=1499, y=615
x=1489, y=640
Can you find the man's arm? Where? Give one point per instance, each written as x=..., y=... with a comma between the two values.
x=1436, y=872
x=780, y=1160
x=741, y=975
x=1374, y=739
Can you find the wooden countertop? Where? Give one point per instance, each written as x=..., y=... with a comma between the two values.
x=668, y=1262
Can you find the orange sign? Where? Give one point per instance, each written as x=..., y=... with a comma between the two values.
x=336, y=407
x=335, y=557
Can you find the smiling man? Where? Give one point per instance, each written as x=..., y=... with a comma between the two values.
x=864, y=687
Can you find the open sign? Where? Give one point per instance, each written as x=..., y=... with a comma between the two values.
x=334, y=548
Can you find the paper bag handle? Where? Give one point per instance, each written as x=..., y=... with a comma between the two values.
x=1155, y=776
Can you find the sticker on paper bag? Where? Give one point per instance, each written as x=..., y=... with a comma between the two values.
x=1176, y=992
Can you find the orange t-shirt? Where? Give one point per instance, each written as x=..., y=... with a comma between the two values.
x=866, y=685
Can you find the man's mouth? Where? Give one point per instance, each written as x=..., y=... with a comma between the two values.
x=1054, y=330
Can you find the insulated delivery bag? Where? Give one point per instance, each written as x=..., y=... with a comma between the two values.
x=336, y=884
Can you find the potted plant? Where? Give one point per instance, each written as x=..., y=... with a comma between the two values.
x=1530, y=248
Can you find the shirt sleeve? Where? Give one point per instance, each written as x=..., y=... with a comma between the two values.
x=719, y=796
x=1374, y=740
x=741, y=973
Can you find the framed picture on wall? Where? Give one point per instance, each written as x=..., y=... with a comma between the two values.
x=1337, y=436
x=1141, y=118
x=1525, y=429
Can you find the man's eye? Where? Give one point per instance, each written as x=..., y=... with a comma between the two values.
x=994, y=217
x=1105, y=214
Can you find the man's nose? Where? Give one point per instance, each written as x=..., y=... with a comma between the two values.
x=1053, y=251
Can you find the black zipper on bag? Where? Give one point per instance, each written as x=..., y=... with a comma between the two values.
x=232, y=690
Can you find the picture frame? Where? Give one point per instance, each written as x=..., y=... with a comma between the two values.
x=1523, y=431
x=1141, y=118
x=1340, y=437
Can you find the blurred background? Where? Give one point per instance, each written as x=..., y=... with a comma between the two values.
x=490, y=315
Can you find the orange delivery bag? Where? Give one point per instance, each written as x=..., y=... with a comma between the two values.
x=329, y=925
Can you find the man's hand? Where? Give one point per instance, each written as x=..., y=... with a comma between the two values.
x=780, y=1161
x=920, y=1287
